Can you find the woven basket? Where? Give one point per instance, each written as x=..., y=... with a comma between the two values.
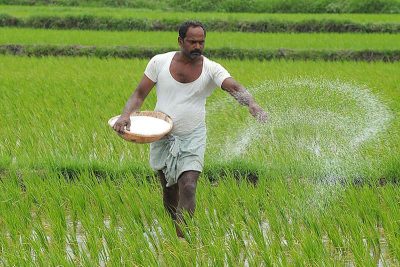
x=139, y=138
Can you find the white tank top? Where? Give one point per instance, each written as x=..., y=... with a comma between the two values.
x=184, y=102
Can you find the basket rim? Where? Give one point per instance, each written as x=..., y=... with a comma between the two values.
x=145, y=113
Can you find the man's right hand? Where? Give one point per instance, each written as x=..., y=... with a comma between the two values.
x=121, y=123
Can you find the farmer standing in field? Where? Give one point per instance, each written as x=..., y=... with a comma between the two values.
x=184, y=79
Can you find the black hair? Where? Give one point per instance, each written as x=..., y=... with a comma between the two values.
x=187, y=24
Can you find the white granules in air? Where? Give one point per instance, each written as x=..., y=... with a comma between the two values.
x=146, y=125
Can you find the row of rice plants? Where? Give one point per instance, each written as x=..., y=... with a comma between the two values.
x=257, y=6
x=326, y=119
x=304, y=41
x=27, y=11
x=53, y=221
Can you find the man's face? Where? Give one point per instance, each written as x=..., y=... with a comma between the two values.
x=193, y=44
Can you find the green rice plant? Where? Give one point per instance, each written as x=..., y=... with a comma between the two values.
x=326, y=119
x=27, y=11
x=257, y=6
x=235, y=222
x=304, y=41
x=90, y=22
x=390, y=219
x=217, y=53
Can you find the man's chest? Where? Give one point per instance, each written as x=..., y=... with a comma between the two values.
x=185, y=73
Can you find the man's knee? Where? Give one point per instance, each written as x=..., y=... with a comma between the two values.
x=188, y=183
x=188, y=177
x=188, y=190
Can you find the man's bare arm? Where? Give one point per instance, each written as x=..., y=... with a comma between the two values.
x=133, y=104
x=244, y=98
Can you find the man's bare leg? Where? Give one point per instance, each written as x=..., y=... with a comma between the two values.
x=187, y=184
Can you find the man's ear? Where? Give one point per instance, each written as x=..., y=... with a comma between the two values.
x=180, y=41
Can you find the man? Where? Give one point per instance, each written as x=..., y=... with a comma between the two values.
x=184, y=79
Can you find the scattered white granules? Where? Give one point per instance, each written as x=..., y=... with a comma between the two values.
x=146, y=125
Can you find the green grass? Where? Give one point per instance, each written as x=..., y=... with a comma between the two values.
x=27, y=11
x=289, y=222
x=326, y=119
x=318, y=41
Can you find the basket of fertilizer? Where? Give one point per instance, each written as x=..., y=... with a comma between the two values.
x=146, y=126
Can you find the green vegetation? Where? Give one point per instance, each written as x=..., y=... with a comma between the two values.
x=146, y=14
x=109, y=23
x=103, y=18
x=369, y=47
x=55, y=111
x=304, y=41
x=253, y=6
x=90, y=222
x=224, y=53
x=317, y=185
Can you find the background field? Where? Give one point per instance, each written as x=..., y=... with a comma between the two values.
x=28, y=11
x=305, y=41
x=255, y=6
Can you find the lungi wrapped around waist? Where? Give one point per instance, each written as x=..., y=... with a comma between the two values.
x=177, y=154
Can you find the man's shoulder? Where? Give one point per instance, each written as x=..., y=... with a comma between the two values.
x=208, y=61
x=211, y=65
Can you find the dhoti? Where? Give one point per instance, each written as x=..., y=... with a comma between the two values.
x=177, y=154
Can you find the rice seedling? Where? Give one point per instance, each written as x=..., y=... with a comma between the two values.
x=94, y=222
x=338, y=123
x=301, y=41
x=26, y=11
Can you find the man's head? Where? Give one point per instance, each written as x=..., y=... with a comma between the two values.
x=191, y=38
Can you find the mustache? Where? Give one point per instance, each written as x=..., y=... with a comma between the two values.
x=194, y=52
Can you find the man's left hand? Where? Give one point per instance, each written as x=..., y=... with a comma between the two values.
x=258, y=113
